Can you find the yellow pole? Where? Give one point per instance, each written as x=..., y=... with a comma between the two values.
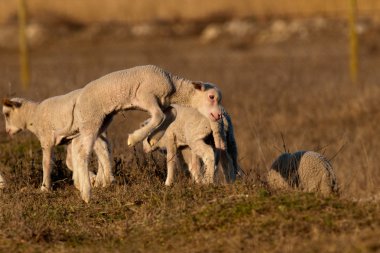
x=353, y=42
x=23, y=44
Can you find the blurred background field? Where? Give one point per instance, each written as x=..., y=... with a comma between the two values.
x=89, y=11
x=283, y=67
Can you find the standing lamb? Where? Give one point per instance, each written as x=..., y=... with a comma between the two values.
x=305, y=170
x=147, y=88
x=44, y=119
x=187, y=130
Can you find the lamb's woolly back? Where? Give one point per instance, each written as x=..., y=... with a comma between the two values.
x=305, y=170
x=316, y=173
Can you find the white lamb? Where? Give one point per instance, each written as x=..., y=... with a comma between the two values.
x=187, y=130
x=147, y=88
x=305, y=170
x=43, y=119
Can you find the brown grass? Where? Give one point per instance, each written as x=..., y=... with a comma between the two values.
x=299, y=89
x=89, y=11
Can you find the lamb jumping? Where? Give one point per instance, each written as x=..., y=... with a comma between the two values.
x=187, y=130
x=147, y=88
x=44, y=119
x=305, y=170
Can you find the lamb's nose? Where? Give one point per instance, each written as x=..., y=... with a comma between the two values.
x=217, y=117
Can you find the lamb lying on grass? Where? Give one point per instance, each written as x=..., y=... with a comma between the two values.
x=305, y=170
x=187, y=130
x=147, y=88
x=43, y=119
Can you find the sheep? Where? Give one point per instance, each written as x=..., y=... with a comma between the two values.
x=187, y=130
x=308, y=171
x=2, y=182
x=148, y=88
x=43, y=119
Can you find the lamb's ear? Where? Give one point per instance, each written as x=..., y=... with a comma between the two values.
x=9, y=103
x=198, y=85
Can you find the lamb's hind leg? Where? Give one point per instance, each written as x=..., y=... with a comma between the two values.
x=72, y=150
x=47, y=164
x=206, y=153
x=151, y=105
x=70, y=162
x=102, y=149
x=85, y=147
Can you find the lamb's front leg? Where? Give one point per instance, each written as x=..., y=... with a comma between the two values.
x=218, y=134
x=151, y=105
x=171, y=153
x=206, y=153
x=195, y=167
x=47, y=164
x=71, y=162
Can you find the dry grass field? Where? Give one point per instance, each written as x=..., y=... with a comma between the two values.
x=90, y=11
x=296, y=90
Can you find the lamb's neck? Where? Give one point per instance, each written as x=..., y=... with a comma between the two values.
x=183, y=91
x=29, y=108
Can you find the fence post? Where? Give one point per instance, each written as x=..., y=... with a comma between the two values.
x=23, y=44
x=353, y=42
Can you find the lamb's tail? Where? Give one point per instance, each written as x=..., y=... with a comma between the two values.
x=60, y=134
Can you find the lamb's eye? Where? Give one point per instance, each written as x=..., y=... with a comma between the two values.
x=211, y=97
x=6, y=114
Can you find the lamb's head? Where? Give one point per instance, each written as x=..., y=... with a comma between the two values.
x=206, y=99
x=14, y=117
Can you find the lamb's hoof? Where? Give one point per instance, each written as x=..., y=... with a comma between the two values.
x=152, y=142
x=131, y=142
x=207, y=181
x=99, y=183
x=113, y=180
x=86, y=197
x=197, y=180
x=77, y=186
x=45, y=188
x=168, y=183
x=93, y=179
x=103, y=182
